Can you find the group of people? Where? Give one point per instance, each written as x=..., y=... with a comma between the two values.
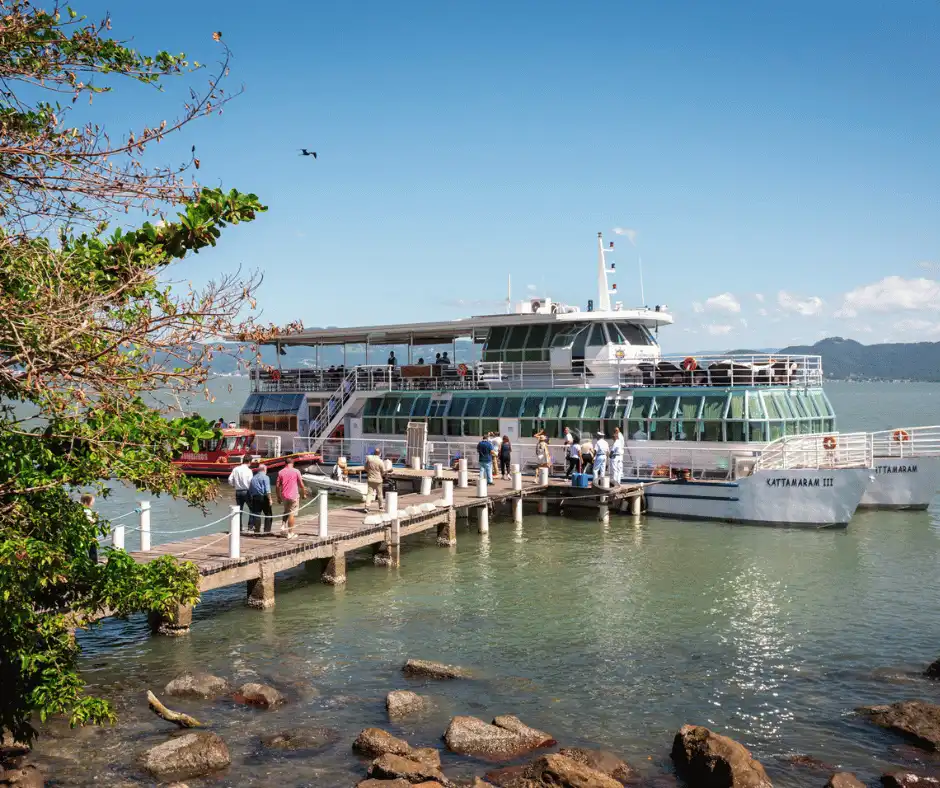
x=593, y=456
x=491, y=449
x=253, y=488
x=440, y=360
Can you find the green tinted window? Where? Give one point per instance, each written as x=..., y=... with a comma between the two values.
x=593, y=407
x=389, y=405
x=687, y=427
x=755, y=406
x=474, y=406
x=537, y=336
x=496, y=338
x=492, y=406
x=372, y=406
x=773, y=410
x=713, y=411
x=420, y=406
x=511, y=407
x=517, y=335
x=552, y=409
x=532, y=407
x=573, y=408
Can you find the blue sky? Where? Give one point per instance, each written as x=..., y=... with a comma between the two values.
x=778, y=161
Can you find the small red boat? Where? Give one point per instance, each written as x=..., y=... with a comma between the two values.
x=218, y=458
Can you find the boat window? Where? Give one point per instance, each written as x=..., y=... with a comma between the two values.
x=530, y=413
x=389, y=405
x=552, y=408
x=598, y=336
x=735, y=426
x=635, y=335
x=755, y=406
x=492, y=406
x=713, y=413
x=554, y=331
x=437, y=408
x=616, y=335
x=536, y=336
x=372, y=406
x=664, y=407
x=573, y=408
x=577, y=347
x=638, y=414
x=757, y=431
x=615, y=410
x=773, y=410
x=511, y=407
x=591, y=421
x=515, y=342
x=687, y=426
x=474, y=407
x=496, y=337
x=419, y=407
x=566, y=334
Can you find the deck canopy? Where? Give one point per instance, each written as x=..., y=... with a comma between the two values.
x=474, y=328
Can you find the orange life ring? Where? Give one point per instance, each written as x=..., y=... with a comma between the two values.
x=900, y=436
x=829, y=442
x=462, y=370
x=222, y=459
x=689, y=364
x=660, y=471
x=276, y=375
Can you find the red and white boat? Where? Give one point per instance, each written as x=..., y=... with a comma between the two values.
x=220, y=456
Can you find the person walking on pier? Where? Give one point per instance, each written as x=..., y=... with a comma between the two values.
x=505, y=457
x=485, y=454
x=240, y=479
x=290, y=489
x=587, y=455
x=259, y=501
x=375, y=479
x=574, y=459
x=601, y=450
x=616, y=457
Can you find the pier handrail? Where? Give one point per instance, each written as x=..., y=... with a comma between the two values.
x=906, y=442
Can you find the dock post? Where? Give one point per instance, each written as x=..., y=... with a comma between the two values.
x=448, y=492
x=395, y=543
x=481, y=486
x=543, y=477
x=483, y=518
x=391, y=503
x=425, y=485
x=144, y=526
x=335, y=572
x=261, y=590
x=517, y=510
x=635, y=503
x=517, y=501
x=117, y=537
x=324, y=505
x=416, y=462
x=462, y=472
x=543, y=505
x=516, y=468
x=603, y=513
x=235, y=533
x=174, y=625
x=438, y=470
x=447, y=532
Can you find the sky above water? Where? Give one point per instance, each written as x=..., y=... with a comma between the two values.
x=774, y=165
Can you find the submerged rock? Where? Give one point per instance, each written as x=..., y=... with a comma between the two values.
x=260, y=695
x=710, y=760
x=390, y=767
x=908, y=780
x=197, y=685
x=309, y=738
x=189, y=755
x=434, y=670
x=807, y=762
x=25, y=775
x=507, y=737
x=375, y=742
x=396, y=783
x=933, y=670
x=917, y=720
x=403, y=702
x=602, y=761
x=557, y=770
x=844, y=780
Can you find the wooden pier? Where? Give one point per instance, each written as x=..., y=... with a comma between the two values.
x=437, y=502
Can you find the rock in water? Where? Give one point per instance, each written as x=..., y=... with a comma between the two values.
x=933, y=670
x=375, y=742
x=390, y=767
x=397, y=783
x=311, y=738
x=908, y=780
x=197, y=685
x=21, y=776
x=602, y=761
x=403, y=702
x=434, y=670
x=259, y=695
x=557, y=770
x=844, y=780
x=190, y=755
x=915, y=719
x=710, y=760
x=472, y=736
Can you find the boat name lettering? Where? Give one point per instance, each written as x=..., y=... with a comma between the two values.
x=784, y=481
x=896, y=469
x=193, y=456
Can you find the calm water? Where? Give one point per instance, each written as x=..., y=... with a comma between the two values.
x=603, y=635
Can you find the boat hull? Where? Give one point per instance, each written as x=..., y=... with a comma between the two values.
x=221, y=470
x=353, y=491
x=902, y=483
x=800, y=498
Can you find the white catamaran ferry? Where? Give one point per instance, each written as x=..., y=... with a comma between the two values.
x=743, y=438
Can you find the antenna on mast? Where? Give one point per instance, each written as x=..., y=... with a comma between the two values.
x=603, y=292
x=642, y=296
x=509, y=295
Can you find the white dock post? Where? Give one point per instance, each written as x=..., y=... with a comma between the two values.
x=323, y=514
x=416, y=463
x=543, y=505
x=235, y=533
x=516, y=468
x=516, y=480
x=603, y=513
x=543, y=476
x=391, y=503
x=448, y=492
x=517, y=510
x=483, y=519
x=635, y=504
x=426, y=485
x=117, y=537
x=462, y=473
x=481, y=486
x=144, y=507
x=394, y=545
x=438, y=470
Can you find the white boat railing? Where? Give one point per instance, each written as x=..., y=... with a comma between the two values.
x=646, y=460
x=821, y=450
x=703, y=370
x=355, y=450
x=906, y=442
x=266, y=445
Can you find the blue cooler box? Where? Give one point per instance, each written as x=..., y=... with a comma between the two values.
x=580, y=480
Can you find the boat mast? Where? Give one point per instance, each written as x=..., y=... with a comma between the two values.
x=603, y=292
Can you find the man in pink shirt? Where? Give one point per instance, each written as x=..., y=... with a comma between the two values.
x=290, y=489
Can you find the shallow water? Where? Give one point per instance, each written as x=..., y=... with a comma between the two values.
x=609, y=636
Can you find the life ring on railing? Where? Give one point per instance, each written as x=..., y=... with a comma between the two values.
x=462, y=370
x=900, y=436
x=660, y=471
x=689, y=364
x=620, y=355
x=222, y=459
x=276, y=375
x=829, y=442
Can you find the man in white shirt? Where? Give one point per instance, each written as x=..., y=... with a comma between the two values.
x=240, y=479
x=616, y=457
x=601, y=450
x=571, y=467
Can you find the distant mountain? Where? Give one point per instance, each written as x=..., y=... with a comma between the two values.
x=846, y=359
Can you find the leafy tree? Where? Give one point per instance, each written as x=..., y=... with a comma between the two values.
x=90, y=332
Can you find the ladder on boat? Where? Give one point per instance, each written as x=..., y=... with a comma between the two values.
x=333, y=411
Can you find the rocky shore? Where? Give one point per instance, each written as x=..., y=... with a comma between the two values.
x=508, y=752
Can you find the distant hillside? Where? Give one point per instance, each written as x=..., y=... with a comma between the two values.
x=846, y=359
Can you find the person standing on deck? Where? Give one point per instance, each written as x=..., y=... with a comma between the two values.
x=290, y=489
x=240, y=479
x=616, y=458
x=569, y=442
x=259, y=501
x=505, y=457
x=445, y=360
x=485, y=454
x=87, y=501
x=587, y=455
x=574, y=460
x=601, y=450
x=375, y=478
x=392, y=361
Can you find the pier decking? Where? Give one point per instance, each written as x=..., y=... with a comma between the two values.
x=348, y=528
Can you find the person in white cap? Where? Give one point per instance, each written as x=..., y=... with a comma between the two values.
x=616, y=458
x=601, y=450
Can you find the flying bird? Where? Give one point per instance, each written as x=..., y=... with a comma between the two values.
x=305, y=152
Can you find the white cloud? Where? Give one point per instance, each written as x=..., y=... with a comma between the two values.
x=762, y=312
x=810, y=305
x=743, y=322
x=920, y=329
x=531, y=288
x=759, y=297
x=892, y=293
x=724, y=302
x=717, y=329
x=631, y=234
x=697, y=307
x=929, y=265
